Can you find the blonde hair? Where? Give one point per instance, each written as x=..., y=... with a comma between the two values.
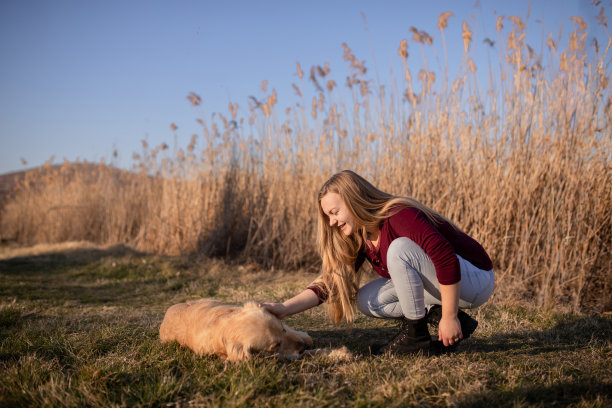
x=369, y=207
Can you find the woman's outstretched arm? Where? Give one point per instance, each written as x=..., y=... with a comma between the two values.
x=300, y=302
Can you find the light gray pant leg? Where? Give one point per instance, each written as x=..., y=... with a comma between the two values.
x=413, y=273
x=379, y=299
x=413, y=282
x=476, y=285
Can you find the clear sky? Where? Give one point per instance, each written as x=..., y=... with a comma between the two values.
x=79, y=78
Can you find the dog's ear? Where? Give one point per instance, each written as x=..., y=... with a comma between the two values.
x=305, y=338
x=236, y=352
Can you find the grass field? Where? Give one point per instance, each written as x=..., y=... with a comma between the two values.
x=521, y=163
x=79, y=327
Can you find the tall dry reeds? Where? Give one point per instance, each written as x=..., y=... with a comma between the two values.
x=524, y=167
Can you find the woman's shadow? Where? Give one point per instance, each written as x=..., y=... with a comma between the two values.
x=569, y=335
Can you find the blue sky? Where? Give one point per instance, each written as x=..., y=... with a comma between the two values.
x=79, y=79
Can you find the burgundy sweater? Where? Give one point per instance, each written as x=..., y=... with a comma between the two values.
x=440, y=242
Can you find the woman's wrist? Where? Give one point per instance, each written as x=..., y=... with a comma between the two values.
x=300, y=302
x=450, y=300
x=449, y=312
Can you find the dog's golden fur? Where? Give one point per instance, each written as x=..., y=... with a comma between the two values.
x=208, y=326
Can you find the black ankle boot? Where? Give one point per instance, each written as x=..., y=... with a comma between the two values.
x=412, y=337
x=468, y=324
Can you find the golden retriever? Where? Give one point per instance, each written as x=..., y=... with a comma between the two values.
x=208, y=326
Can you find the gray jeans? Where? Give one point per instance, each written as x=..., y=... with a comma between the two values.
x=414, y=286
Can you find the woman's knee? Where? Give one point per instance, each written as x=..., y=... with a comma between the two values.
x=400, y=246
x=363, y=302
x=365, y=295
x=378, y=299
x=404, y=251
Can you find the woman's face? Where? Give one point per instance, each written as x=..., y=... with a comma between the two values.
x=339, y=216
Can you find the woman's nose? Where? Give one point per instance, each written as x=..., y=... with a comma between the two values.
x=332, y=221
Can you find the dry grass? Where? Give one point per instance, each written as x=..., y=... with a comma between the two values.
x=79, y=327
x=524, y=167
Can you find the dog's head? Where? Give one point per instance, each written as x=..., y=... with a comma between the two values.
x=257, y=331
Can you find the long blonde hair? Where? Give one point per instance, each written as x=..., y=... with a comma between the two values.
x=369, y=207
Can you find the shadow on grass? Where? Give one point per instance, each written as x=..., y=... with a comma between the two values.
x=563, y=394
x=564, y=336
x=72, y=294
x=560, y=394
x=356, y=340
x=81, y=276
x=58, y=260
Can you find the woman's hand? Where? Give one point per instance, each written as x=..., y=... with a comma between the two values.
x=449, y=330
x=296, y=304
x=277, y=309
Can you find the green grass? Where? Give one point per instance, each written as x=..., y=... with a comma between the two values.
x=79, y=327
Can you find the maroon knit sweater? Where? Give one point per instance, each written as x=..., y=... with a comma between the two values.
x=440, y=242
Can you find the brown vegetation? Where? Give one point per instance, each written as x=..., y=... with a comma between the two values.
x=524, y=168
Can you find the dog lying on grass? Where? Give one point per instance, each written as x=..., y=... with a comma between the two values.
x=208, y=326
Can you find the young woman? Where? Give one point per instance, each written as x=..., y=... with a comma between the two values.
x=424, y=261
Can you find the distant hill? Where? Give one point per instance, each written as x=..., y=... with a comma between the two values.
x=9, y=181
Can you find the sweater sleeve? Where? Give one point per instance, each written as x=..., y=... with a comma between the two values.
x=319, y=288
x=413, y=224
